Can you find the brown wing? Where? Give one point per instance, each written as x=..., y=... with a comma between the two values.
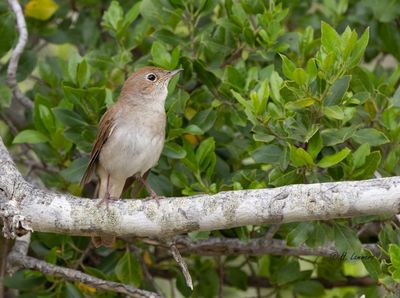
x=105, y=127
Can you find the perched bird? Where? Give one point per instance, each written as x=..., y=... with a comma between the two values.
x=130, y=137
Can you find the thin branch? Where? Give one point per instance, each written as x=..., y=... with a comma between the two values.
x=271, y=232
x=18, y=259
x=16, y=54
x=20, y=249
x=257, y=247
x=181, y=262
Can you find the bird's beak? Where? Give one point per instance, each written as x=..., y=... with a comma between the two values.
x=174, y=72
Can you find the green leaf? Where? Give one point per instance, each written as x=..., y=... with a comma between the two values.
x=27, y=64
x=24, y=280
x=131, y=15
x=337, y=91
x=288, y=67
x=7, y=32
x=263, y=137
x=69, y=118
x=128, y=270
x=260, y=99
x=321, y=232
x=75, y=170
x=331, y=160
x=5, y=96
x=299, y=104
x=204, y=119
x=370, y=136
x=234, y=78
x=311, y=70
x=334, y=136
x=372, y=264
x=394, y=254
x=333, y=112
x=160, y=55
x=300, y=233
x=346, y=240
x=73, y=63
x=113, y=17
x=193, y=129
x=276, y=84
x=299, y=157
x=205, y=76
x=290, y=177
x=207, y=282
x=83, y=73
x=205, y=149
x=237, y=278
x=173, y=150
x=108, y=98
x=47, y=118
x=315, y=145
x=349, y=40
x=309, y=288
x=30, y=136
x=360, y=155
x=181, y=284
x=267, y=154
x=290, y=273
x=199, y=235
x=71, y=291
x=372, y=163
x=245, y=103
x=330, y=39
x=359, y=49
x=264, y=263
x=299, y=76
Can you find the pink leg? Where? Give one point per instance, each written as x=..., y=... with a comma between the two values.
x=106, y=197
x=149, y=189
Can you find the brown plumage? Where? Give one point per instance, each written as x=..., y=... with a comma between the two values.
x=130, y=137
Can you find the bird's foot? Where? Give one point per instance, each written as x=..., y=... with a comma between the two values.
x=105, y=200
x=155, y=196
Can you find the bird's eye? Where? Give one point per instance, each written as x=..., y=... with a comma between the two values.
x=151, y=77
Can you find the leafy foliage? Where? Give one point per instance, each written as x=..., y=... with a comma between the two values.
x=271, y=94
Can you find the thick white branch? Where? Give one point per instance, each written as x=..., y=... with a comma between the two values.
x=48, y=211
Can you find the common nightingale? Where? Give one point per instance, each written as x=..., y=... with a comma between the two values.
x=130, y=137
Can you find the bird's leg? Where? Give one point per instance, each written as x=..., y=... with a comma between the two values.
x=106, y=197
x=149, y=189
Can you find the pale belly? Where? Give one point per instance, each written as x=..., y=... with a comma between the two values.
x=130, y=150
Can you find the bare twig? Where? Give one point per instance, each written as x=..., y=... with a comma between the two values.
x=18, y=259
x=16, y=54
x=181, y=262
x=271, y=233
x=257, y=247
x=19, y=249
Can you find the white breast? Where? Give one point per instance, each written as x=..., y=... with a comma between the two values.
x=133, y=147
